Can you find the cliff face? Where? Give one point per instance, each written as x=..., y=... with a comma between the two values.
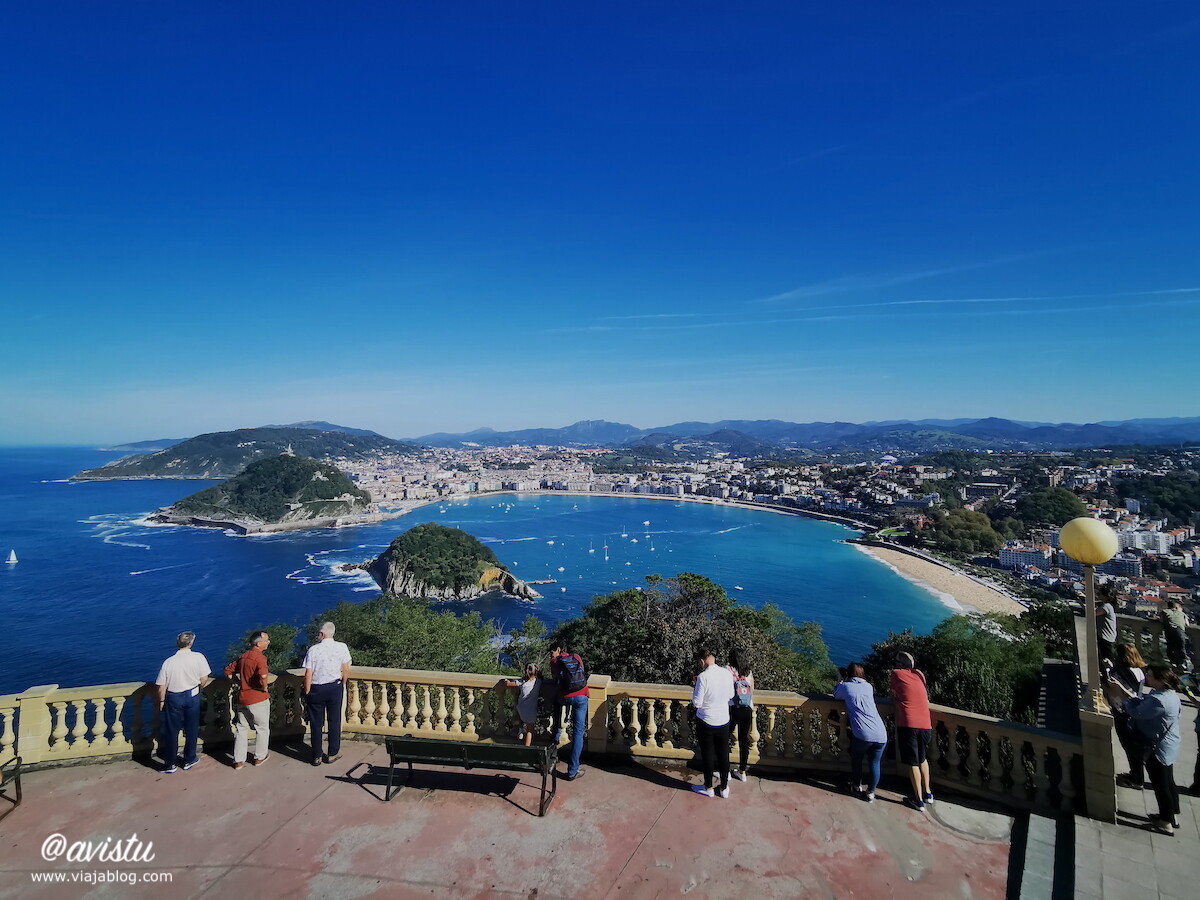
x=395, y=579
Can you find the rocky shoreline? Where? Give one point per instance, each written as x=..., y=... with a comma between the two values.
x=247, y=526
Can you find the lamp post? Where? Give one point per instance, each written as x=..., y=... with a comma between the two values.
x=1092, y=543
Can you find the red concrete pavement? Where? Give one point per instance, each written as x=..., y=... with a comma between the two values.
x=288, y=829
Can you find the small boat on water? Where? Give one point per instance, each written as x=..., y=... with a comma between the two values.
x=738, y=587
x=12, y=558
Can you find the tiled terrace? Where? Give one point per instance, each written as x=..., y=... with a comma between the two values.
x=289, y=829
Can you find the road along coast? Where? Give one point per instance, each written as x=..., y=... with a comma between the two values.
x=946, y=583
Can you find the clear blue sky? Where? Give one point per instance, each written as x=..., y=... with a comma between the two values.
x=419, y=216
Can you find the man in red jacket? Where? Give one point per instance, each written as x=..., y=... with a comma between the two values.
x=914, y=726
x=252, y=704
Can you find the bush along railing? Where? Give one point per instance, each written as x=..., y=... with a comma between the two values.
x=1013, y=764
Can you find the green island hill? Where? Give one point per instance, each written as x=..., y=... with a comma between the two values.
x=434, y=562
x=223, y=454
x=280, y=493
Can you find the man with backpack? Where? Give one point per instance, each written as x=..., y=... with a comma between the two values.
x=571, y=677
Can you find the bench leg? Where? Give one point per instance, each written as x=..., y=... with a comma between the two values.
x=389, y=793
x=547, y=799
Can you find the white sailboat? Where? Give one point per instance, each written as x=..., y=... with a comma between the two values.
x=12, y=558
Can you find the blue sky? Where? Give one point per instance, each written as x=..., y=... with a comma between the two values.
x=436, y=216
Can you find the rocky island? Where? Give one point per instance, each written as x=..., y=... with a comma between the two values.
x=439, y=563
x=282, y=493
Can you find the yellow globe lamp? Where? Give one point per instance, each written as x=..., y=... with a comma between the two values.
x=1088, y=541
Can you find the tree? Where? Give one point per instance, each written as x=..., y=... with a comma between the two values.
x=965, y=531
x=529, y=643
x=406, y=633
x=1050, y=506
x=653, y=635
x=988, y=664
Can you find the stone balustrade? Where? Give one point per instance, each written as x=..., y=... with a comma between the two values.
x=1147, y=636
x=1015, y=765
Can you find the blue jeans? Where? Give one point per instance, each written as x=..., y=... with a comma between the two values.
x=873, y=751
x=325, y=702
x=181, y=711
x=579, y=708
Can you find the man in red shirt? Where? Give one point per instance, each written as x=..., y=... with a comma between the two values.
x=252, y=704
x=914, y=727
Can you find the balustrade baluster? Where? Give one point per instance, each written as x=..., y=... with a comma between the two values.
x=754, y=734
x=668, y=728
x=789, y=748
x=59, y=732
x=119, y=739
x=8, y=736
x=772, y=744
x=426, y=709
x=470, y=726
x=440, y=724
x=82, y=734
x=369, y=706
x=353, y=702
x=632, y=735
x=456, y=712
x=383, y=714
x=651, y=724
x=410, y=711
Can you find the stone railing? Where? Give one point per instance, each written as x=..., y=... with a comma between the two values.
x=1147, y=636
x=1014, y=765
x=48, y=724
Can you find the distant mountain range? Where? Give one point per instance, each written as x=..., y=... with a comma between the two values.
x=164, y=443
x=756, y=437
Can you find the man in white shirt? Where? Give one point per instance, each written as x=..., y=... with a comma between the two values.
x=179, y=682
x=710, y=698
x=326, y=671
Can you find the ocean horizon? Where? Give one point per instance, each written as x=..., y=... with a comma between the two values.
x=98, y=594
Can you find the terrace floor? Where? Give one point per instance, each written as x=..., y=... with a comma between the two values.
x=289, y=829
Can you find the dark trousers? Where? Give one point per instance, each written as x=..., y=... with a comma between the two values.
x=325, y=702
x=181, y=711
x=1129, y=743
x=740, y=718
x=713, y=741
x=1105, y=648
x=1165, y=791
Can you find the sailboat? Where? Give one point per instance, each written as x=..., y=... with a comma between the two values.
x=591, y=549
x=624, y=533
x=12, y=558
x=606, y=552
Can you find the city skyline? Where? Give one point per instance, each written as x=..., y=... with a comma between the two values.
x=417, y=220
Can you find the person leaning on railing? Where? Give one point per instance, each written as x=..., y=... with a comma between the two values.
x=1156, y=719
x=1122, y=681
x=868, y=735
x=914, y=725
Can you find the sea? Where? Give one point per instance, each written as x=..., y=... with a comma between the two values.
x=98, y=595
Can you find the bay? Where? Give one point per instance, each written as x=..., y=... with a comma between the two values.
x=97, y=597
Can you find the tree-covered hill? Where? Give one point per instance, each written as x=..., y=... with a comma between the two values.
x=282, y=488
x=223, y=454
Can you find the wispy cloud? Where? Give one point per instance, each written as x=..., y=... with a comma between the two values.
x=877, y=282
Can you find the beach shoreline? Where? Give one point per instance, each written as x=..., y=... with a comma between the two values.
x=958, y=590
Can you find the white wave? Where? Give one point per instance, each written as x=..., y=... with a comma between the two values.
x=734, y=528
x=161, y=568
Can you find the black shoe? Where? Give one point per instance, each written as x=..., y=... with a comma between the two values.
x=334, y=758
x=316, y=761
x=1125, y=781
x=574, y=777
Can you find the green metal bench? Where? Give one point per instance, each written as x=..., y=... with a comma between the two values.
x=10, y=776
x=469, y=755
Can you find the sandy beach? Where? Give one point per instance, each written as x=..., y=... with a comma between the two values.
x=946, y=583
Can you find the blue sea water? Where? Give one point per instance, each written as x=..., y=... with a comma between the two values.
x=97, y=597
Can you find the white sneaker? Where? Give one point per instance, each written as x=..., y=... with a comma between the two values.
x=871, y=797
x=703, y=791
x=723, y=794
x=739, y=774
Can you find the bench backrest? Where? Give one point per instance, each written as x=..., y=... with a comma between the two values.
x=466, y=752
